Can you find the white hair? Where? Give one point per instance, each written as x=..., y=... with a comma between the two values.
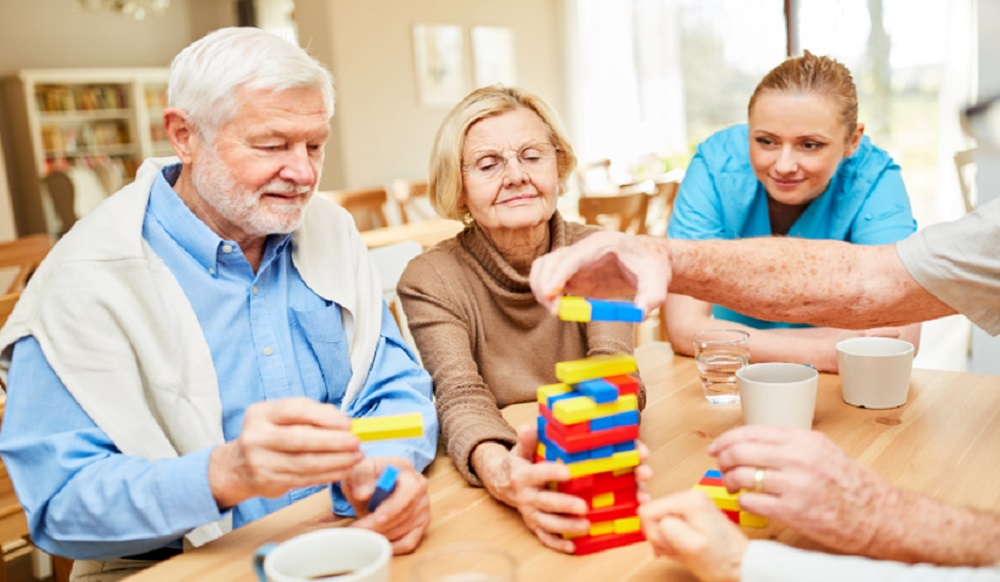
x=206, y=75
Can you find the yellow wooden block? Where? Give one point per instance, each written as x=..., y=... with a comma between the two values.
x=541, y=450
x=602, y=527
x=604, y=499
x=615, y=461
x=544, y=392
x=583, y=408
x=627, y=525
x=570, y=536
x=723, y=499
x=622, y=471
x=751, y=520
x=574, y=371
x=396, y=426
x=574, y=309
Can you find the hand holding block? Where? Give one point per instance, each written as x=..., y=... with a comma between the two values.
x=383, y=487
x=398, y=426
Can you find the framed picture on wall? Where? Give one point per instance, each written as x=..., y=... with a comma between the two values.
x=493, y=55
x=439, y=53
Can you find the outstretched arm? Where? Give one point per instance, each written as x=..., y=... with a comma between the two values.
x=825, y=283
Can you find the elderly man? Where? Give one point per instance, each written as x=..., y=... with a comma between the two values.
x=192, y=352
x=944, y=269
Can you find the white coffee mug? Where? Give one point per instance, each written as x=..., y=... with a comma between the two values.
x=778, y=394
x=875, y=371
x=345, y=554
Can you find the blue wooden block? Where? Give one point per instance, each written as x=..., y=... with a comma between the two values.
x=383, y=487
x=714, y=473
x=627, y=418
x=599, y=389
x=541, y=425
x=602, y=452
x=625, y=446
x=602, y=310
x=554, y=452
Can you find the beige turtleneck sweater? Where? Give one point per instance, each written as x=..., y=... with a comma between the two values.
x=486, y=341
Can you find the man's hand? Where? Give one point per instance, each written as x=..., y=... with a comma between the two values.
x=808, y=483
x=604, y=264
x=284, y=444
x=404, y=516
x=689, y=528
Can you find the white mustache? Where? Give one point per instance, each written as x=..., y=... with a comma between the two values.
x=283, y=187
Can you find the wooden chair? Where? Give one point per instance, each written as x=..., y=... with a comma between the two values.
x=62, y=193
x=411, y=196
x=22, y=256
x=366, y=205
x=625, y=210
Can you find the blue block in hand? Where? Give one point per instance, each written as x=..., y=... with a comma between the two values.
x=383, y=487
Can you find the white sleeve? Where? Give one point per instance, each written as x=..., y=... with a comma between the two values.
x=766, y=561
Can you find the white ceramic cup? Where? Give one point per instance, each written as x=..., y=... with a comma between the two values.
x=875, y=371
x=360, y=554
x=778, y=394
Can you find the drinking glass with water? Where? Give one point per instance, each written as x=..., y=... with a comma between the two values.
x=719, y=353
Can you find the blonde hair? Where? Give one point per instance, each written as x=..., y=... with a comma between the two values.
x=818, y=75
x=444, y=183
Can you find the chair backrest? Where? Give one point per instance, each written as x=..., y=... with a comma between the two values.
x=625, y=211
x=62, y=193
x=411, y=196
x=661, y=205
x=390, y=262
x=21, y=257
x=366, y=205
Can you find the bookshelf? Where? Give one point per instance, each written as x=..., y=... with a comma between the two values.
x=60, y=119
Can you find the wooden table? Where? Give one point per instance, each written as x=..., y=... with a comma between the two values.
x=428, y=233
x=943, y=442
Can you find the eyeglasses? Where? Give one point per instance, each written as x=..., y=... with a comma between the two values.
x=982, y=121
x=533, y=157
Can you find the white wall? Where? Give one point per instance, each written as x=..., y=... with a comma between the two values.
x=381, y=131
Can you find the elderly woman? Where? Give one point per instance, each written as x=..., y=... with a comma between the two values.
x=499, y=162
x=801, y=167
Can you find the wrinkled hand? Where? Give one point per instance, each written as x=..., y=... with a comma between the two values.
x=404, y=516
x=284, y=444
x=809, y=483
x=513, y=477
x=689, y=528
x=604, y=264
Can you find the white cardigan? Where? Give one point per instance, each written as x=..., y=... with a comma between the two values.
x=117, y=329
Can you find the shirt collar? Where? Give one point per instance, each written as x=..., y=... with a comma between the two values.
x=189, y=231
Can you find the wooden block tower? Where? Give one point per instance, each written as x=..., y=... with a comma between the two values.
x=590, y=422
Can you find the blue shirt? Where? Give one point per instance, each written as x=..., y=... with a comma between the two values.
x=721, y=198
x=270, y=337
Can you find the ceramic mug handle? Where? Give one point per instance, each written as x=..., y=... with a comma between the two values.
x=258, y=560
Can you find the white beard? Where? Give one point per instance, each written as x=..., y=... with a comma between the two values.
x=241, y=206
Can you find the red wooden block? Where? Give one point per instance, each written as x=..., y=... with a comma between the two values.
x=556, y=424
x=575, y=443
x=617, y=511
x=734, y=516
x=590, y=544
x=597, y=483
x=711, y=481
x=626, y=384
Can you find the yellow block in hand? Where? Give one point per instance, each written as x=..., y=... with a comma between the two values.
x=574, y=308
x=397, y=426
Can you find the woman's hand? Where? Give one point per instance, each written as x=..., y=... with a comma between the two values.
x=808, y=482
x=689, y=528
x=513, y=478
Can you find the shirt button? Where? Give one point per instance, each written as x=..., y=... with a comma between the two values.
x=211, y=270
x=268, y=351
x=227, y=248
x=253, y=290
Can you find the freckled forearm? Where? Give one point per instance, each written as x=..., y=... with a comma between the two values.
x=826, y=283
